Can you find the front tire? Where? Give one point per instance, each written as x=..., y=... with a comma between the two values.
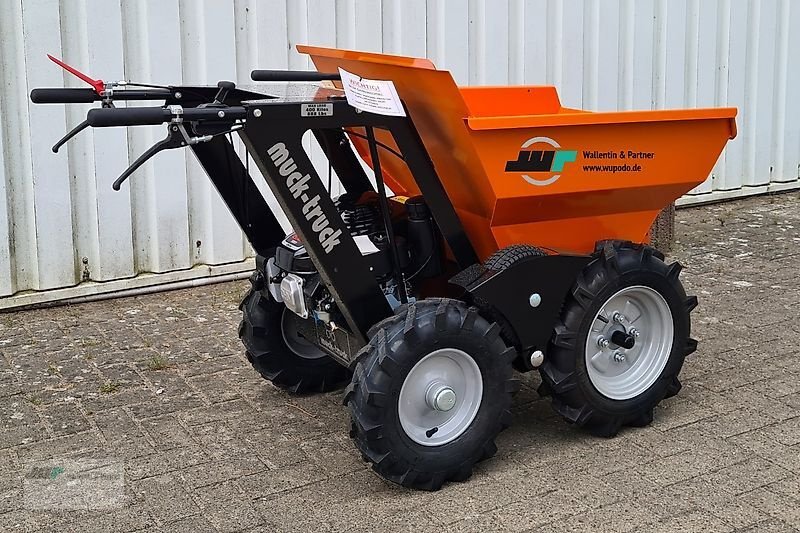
x=621, y=341
x=430, y=393
x=276, y=350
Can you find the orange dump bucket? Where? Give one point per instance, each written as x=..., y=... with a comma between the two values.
x=520, y=168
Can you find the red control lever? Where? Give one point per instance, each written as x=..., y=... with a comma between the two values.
x=98, y=85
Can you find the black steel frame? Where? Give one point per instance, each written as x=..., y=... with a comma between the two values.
x=273, y=134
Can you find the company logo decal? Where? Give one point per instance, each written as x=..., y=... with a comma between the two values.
x=542, y=160
x=297, y=183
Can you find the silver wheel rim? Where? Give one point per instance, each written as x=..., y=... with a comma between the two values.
x=296, y=343
x=619, y=373
x=440, y=397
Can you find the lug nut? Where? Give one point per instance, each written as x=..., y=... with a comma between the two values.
x=619, y=356
x=634, y=332
x=602, y=342
x=618, y=317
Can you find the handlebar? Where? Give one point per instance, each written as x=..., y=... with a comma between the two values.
x=220, y=118
x=87, y=96
x=292, y=75
x=144, y=116
x=64, y=96
x=130, y=116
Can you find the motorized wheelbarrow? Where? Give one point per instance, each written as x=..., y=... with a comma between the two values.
x=496, y=230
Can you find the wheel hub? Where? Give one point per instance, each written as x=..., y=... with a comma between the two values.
x=440, y=397
x=294, y=340
x=629, y=342
x=623, y=339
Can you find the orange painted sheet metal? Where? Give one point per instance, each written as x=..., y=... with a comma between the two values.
x=520, y=167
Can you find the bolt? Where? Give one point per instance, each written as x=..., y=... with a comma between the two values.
x=619, y=356
x=634, y=332
x=537, y=358
x=257, y=113
x=618, y=317
x=178, y=95
x=602, y=342
x=221, y=114
x=535, y=299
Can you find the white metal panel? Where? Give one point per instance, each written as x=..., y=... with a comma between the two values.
x=91, y=32
x=208, y=44
x=43, y=176
x=158, y=190
x=57, y=210
x=736, y=84
x=535, y=35
x=643, y=67
x=404, y=30
x=761, y=165
x=785, y=131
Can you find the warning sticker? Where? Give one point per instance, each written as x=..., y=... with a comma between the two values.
x=316, y=110
x=374, y=96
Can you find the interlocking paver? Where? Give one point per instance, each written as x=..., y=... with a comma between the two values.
x=164, y=497
x=237, y=513
x=778, y=506
x=159, y=384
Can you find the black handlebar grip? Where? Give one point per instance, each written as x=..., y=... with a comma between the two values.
x=64, y=96
x=292, y=75
x=130, y=116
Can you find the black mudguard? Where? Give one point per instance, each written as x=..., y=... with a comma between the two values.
x=509, y=293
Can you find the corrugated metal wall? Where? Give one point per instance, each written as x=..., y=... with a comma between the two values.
x=60, y=222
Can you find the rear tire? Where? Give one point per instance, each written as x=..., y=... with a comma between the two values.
x=263, y=331
x=500, y=260
x=430, y=346
x=603, y=388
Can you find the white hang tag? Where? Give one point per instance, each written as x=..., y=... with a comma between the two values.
x=373, y=96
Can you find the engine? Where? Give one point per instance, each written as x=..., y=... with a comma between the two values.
x=293, y=279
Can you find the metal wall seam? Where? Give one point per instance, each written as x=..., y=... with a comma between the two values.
x=516, y=42
x=158, y=190
x=448, y=37
x=208, y=43
x=737, y=82
x=591, y=53
x=705, y=78
x=404, y=27
x=91, y=32
x=47, y=173
x=720, y=172
x=6, y=267
x=777, y=155
x=625, y=57
x=765, y=107
x=791, y=163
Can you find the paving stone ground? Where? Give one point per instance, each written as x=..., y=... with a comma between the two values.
x=189, y=438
